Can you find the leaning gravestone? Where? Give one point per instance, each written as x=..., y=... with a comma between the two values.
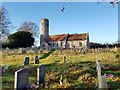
x=36, y=60
x=21, y=79
x=26, y=62
x=41, y=75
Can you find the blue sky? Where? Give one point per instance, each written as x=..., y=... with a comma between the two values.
x=100, y=20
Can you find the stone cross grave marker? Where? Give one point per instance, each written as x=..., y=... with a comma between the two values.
x=21, y=79
x=36, y=60
x=41, y=75
x=26, y=62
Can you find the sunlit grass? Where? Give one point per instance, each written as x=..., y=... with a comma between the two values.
x=79, y=70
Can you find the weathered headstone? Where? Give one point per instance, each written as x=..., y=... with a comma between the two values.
x=41, y=75
x=21, y=79
x=41, y=51
x=115, y=48
x=36, y=51
x=24, y=51
x=26, y=62
x=36, y=60
x=103, y=82
x=31, y=50
x=7, y=50
x=15, y=51
x=5, y=67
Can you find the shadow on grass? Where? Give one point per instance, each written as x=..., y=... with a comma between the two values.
x=45, y=55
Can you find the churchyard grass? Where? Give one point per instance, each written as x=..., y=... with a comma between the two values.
x=79, y=71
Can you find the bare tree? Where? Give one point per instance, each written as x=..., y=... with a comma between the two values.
x=5, y=23
x=31, y=27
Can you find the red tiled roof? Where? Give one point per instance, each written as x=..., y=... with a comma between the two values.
x=62, y=37
x=56, y=37
x=77, y=37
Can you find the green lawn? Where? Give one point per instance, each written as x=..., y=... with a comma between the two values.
x=79, y=71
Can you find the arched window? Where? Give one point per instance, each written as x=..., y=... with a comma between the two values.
x=57, y=44
x=80, y=43
x=53, y=44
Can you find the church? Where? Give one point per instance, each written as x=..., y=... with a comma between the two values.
x=61, y=41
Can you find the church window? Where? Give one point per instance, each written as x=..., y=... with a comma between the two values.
x=57, y=44
x=80, y=43
x=53, y=44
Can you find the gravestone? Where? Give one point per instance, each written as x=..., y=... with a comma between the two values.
x=15, y=51
x=26, y=62
x=41, y=51
x=5, y=67
x=7, y=50
x=64, y=59
x=36, y=60
x=102, y=83
x=24, y=51
x=115, y=48
x=41, y=75
x=21, y=79
x=31, y=50
x=36, y=51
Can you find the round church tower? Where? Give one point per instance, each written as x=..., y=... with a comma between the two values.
x=44, y=29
